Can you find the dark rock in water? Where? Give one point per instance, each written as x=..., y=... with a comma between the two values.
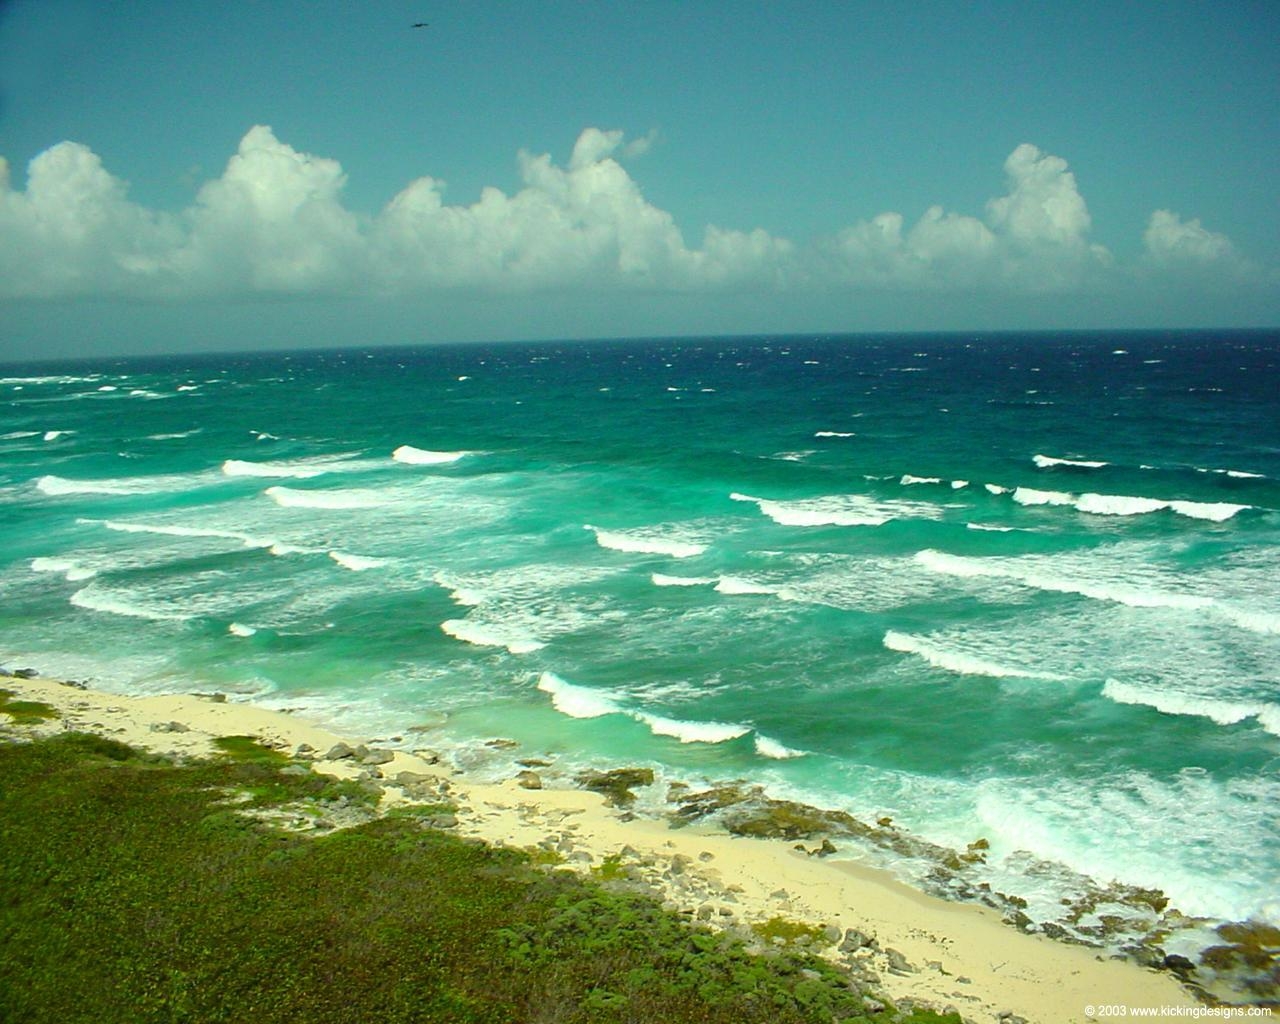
x=501, y=744
x=529, y=780
x=25, y=673
x=617, y=784
x=1178, y=964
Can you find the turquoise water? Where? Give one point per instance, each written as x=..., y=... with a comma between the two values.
x=1017, y=587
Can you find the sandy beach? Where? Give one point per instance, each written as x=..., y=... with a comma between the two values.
x=915, y=946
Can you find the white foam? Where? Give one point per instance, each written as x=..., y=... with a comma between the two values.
x=168, y=530
x=423, y=457
x=988, y=528
x=483, y=635
x=774, y=750
x=188, y=387
x=907, y=480
x=14, y=435
x=957, y=661
x=173, y=437
x=659, y=580
x=53, y=435
x=834, y=433
x=840, y=510
x=1128, y=505
x=356, y=563
x=959, y=485
x=645, y=542
x=57, y=486
x=1221, y=712
x=1048, y=461
x=94, y=599
x=1241, y=474
x=690, y=732
x=1118, y=505
x=302, y=469
x=239, y=629
x=1217, y=512
x=108, y=387
x=73, y=572
x=738, y=585
x=1031, y=496
x=577, y=701
x=287, y=497
x=996, y=489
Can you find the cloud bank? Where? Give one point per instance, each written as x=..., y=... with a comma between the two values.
x=274, y=223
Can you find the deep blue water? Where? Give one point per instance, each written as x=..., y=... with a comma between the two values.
x=1020, y=587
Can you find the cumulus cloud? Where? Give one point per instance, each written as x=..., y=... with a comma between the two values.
x=274, y=223
x=1034, y=238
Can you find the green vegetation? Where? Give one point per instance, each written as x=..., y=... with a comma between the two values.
x=249, y=750
x=133, y=890
x=25, y=712
x=780, y=931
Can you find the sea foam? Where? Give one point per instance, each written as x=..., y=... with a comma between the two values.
x=661, y=580
x=484, y=635
x=644, y=542
x=1048, y=462
x=356, y=563
x=577, y=701
x=958, y=661
x=412, y=456
x=71, y=571
x=287, y=497
x=1221, y=712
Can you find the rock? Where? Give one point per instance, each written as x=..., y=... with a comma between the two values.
x=379, y=756
x=831, y=933
x=678, y=864
x=898, y=962
x=616, y=785
x=169, y=727
x=218, y=698
x=426, y=756
x=705, y=856
x=885, y=822
x=529, y=780
x=444, y=821
x=412, y=779
x=855, y=940
x=873, y=1006
x=25, y=673
x=533, y=762
x=295, y=769
x=339, y=752
x=302, y=749
x=705, y=912
x=1178, y=964
x=826, y=849
x=501, y=744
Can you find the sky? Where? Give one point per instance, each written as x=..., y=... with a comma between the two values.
x=258, y=174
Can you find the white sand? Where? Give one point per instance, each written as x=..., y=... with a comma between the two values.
x=959, y=955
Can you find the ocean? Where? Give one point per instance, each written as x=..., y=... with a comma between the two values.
x=1012, y=587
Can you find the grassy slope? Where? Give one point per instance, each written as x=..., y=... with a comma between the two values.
x=131, y=890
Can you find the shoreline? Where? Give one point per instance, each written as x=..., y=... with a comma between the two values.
x=925, y=949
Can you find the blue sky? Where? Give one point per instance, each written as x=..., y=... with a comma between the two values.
x=242, y=175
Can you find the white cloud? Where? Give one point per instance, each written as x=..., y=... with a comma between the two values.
x=1171, y=240
x=1034, y=238
x=274, y=222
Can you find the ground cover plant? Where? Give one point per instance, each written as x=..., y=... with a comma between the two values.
x=136, y=890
